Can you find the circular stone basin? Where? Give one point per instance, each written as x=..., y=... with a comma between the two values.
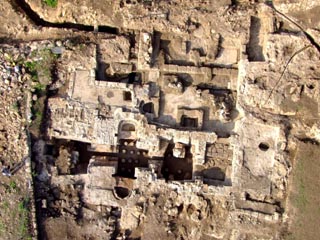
x=264, y=146
x=121, y=192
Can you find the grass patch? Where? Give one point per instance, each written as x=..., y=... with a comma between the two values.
x=15, y=217
x=37, y=114
x=12, y=187
x=2, y=227
x=16, y=106
x=39, y=88
x=305, y=194
x=6, y=205
x=23, y=210
x=40, y=69
x=31, y=66
x=51, y=3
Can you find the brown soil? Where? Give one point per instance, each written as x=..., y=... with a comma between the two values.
x=305, y=195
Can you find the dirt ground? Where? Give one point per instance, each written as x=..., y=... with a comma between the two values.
x=16, y=190
x=305, y=196
x=15, y=208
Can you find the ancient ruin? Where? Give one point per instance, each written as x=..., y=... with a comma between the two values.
x=168, y=120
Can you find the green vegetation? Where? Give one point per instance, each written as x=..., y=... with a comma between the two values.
x=17, y=213
x=6, y=205
x=51, y=3
x=44, y=65
x=40, y=88
x=2, y=227
x=12, y=187
x=31, y=66
x=34, y=173
x=16, y=106
x=40, y=69
x=37, y=113
x=24, y=218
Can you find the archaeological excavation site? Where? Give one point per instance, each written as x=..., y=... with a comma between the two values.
x=160, y=119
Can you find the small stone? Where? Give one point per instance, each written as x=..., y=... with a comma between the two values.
x=57, y=50
x=34, y=97
x=44, y=203
x=17, y=69
x=58, y=43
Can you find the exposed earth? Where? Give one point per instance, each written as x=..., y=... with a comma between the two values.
x=142, y=119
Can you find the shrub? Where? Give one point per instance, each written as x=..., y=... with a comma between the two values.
x=51, y=3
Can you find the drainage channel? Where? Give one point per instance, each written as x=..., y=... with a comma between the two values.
x=23, y=7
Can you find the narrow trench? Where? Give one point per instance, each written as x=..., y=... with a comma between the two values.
x=23, y=7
